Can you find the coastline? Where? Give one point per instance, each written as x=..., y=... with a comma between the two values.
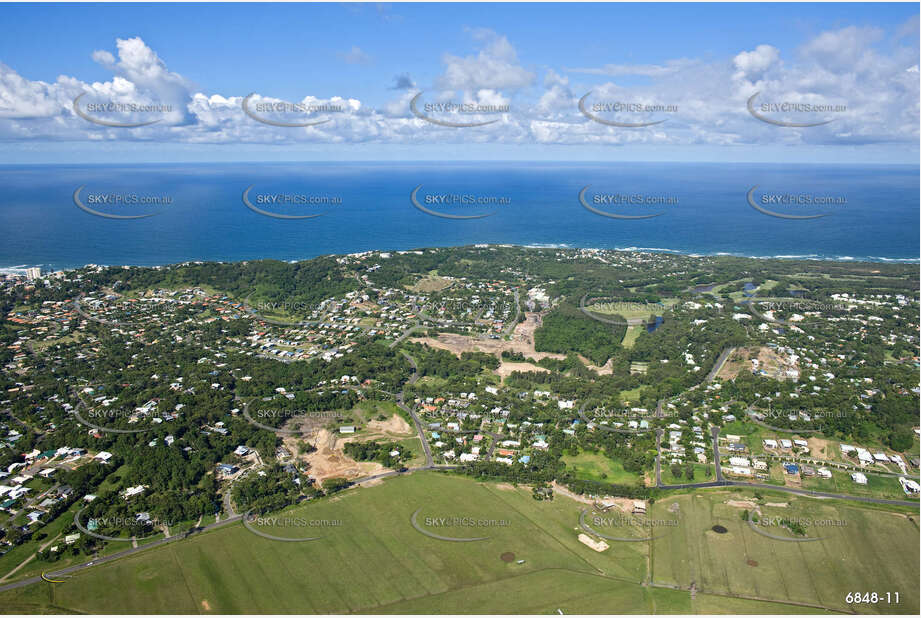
x=20, y=269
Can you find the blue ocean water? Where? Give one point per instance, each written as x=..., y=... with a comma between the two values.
x=705, y=210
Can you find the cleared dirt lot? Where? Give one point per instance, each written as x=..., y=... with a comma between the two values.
x=522, y=341
x=768, y=360
x=329, y=460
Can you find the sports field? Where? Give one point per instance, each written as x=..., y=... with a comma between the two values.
x=375, y=561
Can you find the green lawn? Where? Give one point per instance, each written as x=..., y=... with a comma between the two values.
x=375, y=561
x=874, y=551
x=597, y=467
x=632, y=334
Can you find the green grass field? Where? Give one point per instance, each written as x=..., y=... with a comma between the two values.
x=375, y=561
x=597, y=467
x=875, y=551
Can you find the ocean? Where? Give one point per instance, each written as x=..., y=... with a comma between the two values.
x=871, y=212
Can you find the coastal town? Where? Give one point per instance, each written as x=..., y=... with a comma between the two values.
x=467, y=390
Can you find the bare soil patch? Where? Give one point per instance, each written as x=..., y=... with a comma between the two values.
x=742, y=504
x=396, y=424
x=329, y=461
x=522, y=340
x=507, y=368
x=563, y=491
x=598, y=546
x=818, y=448
x=768, y=360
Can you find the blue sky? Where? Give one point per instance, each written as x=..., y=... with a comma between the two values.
x=538, y=60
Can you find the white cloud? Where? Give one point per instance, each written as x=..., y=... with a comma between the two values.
x=495, y=66
x=844, y=66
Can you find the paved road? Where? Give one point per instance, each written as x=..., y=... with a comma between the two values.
x=59, y=574
x=794, y=490
x=720, y=361
x=715, y=434
x=429, y=461
x=514, y=321
x=780, y=429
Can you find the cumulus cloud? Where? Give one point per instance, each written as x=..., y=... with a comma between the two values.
x=879, y=91
x=752, y=65
x=495, y=66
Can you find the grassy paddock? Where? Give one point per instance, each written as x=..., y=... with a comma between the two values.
x=375, y=561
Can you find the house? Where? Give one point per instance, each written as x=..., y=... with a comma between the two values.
x=909, y=486
x=824, y=473
x=801, y=443
x=770, y=443
x=639, y=507
x=790, y=468
x=70, y=539
x=226, y=469
x=786, y=443
x=738, y=461
x=859, y=477
x=241, y=451
x=347, y=429
x=740, y=471
x=133, y=491
x=103, y=456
